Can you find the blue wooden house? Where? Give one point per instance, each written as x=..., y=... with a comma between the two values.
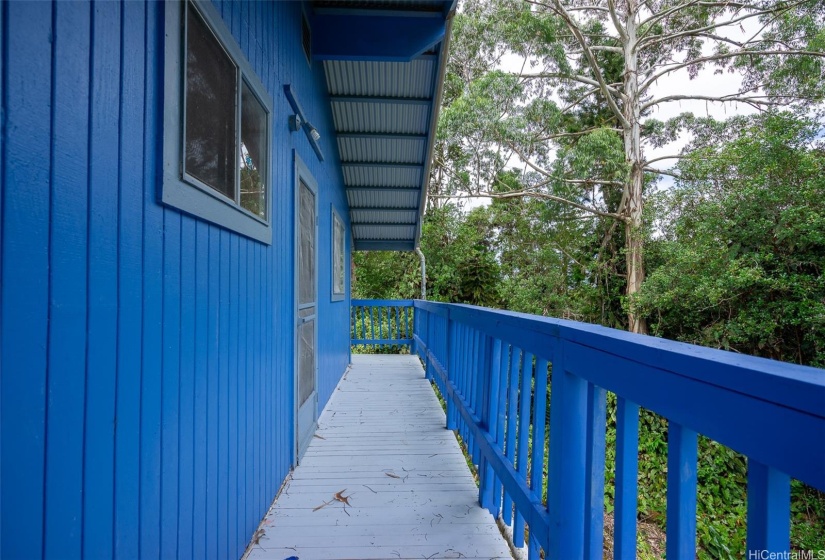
x=182, y=186
x=183, y=183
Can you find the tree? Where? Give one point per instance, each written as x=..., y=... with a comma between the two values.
x=740, y=258
x=576, y=116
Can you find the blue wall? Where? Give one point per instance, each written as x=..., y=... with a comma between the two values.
x=147, y=356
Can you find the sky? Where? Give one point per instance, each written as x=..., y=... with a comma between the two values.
x=676, y=83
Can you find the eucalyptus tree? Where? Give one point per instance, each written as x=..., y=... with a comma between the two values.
x=566, y=91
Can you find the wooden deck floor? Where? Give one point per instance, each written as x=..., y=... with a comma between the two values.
x=382, y=444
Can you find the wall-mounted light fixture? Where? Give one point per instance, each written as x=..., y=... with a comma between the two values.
x=299, y=121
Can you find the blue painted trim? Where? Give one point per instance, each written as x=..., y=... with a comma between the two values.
x=378, y=12
x=379, y=37
x=186, y=194
x=375, y=245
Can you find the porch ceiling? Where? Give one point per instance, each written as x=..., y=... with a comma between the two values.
x=384, y=64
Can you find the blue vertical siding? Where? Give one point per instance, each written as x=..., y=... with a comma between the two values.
x=147, y=356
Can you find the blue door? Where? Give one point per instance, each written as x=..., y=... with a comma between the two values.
x=306, y=378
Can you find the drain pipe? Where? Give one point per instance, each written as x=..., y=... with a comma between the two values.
x=423, y=272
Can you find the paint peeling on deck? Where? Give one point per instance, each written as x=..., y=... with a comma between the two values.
x=381, y=446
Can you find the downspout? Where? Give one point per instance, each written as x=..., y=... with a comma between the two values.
x=423, y=272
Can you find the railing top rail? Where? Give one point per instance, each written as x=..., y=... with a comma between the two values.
x=797, y=387
x=383, y=302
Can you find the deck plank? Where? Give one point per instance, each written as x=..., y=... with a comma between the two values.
x=382, y=441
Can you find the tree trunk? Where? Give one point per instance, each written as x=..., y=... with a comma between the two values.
x=634, y=234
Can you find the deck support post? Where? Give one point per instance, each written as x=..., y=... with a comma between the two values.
x=567, y=461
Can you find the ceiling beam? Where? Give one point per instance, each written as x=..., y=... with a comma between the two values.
x=382, y=164
x=380, y=136
x=381, y=99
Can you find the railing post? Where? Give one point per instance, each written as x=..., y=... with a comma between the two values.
x=681, y=492
x=627, y=479
x=594, y=507
x=428, y=373
x=769, y=502
x=450, y=365
x=567, y=461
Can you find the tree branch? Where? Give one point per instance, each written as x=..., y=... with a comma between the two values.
x=649, y=161
x=721, y=56
x=661, y=172
x=574, y=77
x=544, y=196
x=754, y=101
x=594, y=65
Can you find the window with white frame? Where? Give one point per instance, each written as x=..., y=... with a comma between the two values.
x=338, y=256
x=217, y=123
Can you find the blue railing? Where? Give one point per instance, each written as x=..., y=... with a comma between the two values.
x=496, y=370
x=377, y=323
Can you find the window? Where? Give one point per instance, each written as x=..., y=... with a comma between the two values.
x=338, y=256
x=217, y=125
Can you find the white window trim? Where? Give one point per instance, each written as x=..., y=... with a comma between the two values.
x=338, y=296
x=191, y=196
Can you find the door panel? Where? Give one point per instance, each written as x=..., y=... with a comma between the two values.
x=306, y=331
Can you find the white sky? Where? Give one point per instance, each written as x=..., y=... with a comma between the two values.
x=676, y=83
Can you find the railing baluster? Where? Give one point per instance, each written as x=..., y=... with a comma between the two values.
x=769, y=499
x=398, y=323
x=501, y=416
x=512, y=413
x=476, y=373
x=486, y=488
x=627, y=468
x=523, y=435
x=681, y=492
x=594, y=505
x=452, y=364
x=537, y=459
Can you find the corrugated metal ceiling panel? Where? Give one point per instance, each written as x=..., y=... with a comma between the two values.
x=379, y=216
x=382, y=198
x=382, y=176
x=396, y=150
x=392, y=79
x=384, y=117
x=393, y=233
x=371, y=97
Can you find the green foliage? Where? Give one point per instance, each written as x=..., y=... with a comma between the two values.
x=739, y=262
